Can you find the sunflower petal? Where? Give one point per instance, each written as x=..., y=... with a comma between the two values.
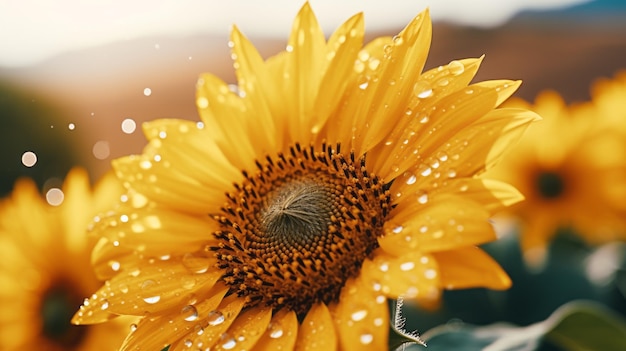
x=401, y=65
x=317, y=332
x=246, y=329
x=218, y=320
x=254, y=81
x=445, y=223
x=470, y=267
x=361, y=317
x=413, y=275
x=152, y=286
x=343, y=47
x=281, y=333
x=304, y=71
x=156, y=333
x=415, y=121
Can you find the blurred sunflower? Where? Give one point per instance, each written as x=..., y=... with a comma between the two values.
x=333, y=177
x=571, y=168
x=45, y=271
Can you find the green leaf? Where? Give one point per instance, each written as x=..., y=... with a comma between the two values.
x=575, y=326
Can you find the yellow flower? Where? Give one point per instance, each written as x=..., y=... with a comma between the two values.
x=45, y=268
x=571, y=168
x=334, y=177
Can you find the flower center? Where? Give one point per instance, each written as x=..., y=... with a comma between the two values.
x=297, y=229
x=550, y=184
x=58, y=305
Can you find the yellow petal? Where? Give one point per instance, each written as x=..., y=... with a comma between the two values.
x=157, y=332
x=215, y=100
x=317, y=331
x=340, y=126
x=187, y=172
x=156, y=232
x=281, y=333
x=246, y=330
x=413, y=275
x=444, y=223
x=151, y=286
x=385, y=99
x=218, y=321
x=416, y=120
x=341, y=53
x=303, y=73
x=361, y=317
x=470, y=267
x=255, y=83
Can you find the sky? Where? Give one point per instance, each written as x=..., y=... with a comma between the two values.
x=34, y=30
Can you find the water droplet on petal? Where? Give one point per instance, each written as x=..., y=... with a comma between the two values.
x=188, y=343
x=407, y=266
x=422, y=89
x=422, y=197
x=412, y=179
x=190, y=313
x=456, y=67
x=398, y=229
x=228, y=342
x=358, y=315
x=366, y=338
x=430, y=274
x=275, y=330
x=133, y=327
x=152, y=299
x=215, y=318
x=104, y=305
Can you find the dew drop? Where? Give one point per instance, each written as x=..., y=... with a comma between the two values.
x=456, y=67
x=424, y=170
x=152, y=299
x=363, y=86
x=384, y=267
x=215, y=318
x=101, y=150
x=422, y=197
x=443, y=82
x=422, y=89
x=129, y=126
x=190, y=313
x=202, y=102
x=407, y=266
x=275, y=330
x=412, y=179
x=55, y=196
x=469, y=91
x=366, y=338
x=228, y=342
x=147, y=91
x=104, y=305
x=451, y=173
x=195, y=264
x=358, y=315
x=133, y=327
x=188, y=343
x=430, y=274
x=71, y=126
x=115, y=266
x=29, y=159
x=424, y=119
x=398, y=229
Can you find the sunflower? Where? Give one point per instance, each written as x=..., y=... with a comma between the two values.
x=334, y=177
x=571, y=168
x=45, y=267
